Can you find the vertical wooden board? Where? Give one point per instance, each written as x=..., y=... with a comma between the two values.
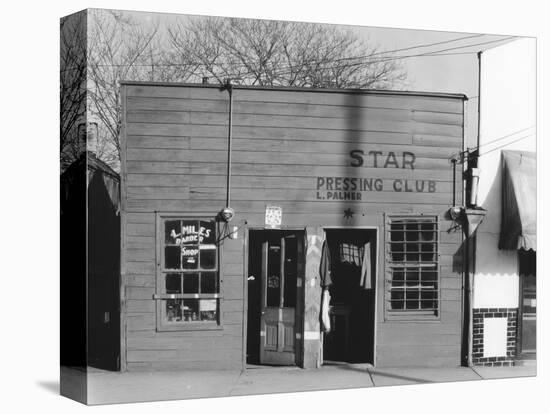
x=312, y=298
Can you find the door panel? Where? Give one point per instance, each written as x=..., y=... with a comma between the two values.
x=529, y=315
x=280, y=256
x=527, y=344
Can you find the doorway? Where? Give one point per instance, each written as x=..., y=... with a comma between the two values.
x=276, y=264
x=351, y=310
x=527, y=316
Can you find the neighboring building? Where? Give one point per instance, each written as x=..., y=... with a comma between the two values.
x=337, y=189
x=90, y=263
x=504, y=285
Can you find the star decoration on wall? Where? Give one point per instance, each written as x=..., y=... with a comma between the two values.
x=348, y=213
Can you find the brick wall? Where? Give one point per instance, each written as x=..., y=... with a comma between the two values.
x=478, y=330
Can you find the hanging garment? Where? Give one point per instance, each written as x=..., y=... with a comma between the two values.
x=326, y=281
x=325, y=318
x=366, y=282
x=324, y=267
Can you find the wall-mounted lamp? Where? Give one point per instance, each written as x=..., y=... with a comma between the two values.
x=227, y=214
x=455, y=212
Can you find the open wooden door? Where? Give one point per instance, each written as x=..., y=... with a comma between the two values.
x=282, y=253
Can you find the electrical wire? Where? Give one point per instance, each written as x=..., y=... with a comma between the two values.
x=426, y=54
x=382, y=60
x=464, y=154
x=505, y=145
x=505, y=136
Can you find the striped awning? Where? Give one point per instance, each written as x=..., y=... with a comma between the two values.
x=519, y=201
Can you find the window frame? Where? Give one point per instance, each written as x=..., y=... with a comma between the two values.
x=411, y=314
x=160, y=296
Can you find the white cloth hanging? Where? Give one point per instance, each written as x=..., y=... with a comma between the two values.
x=325, y=318
x=366, y=282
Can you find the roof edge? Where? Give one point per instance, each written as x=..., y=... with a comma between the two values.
x=303, y=89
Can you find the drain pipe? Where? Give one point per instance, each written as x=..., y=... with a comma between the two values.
x=472, y=242
x=228, y=213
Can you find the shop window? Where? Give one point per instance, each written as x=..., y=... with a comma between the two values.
x=188, y=285
x=412, y=267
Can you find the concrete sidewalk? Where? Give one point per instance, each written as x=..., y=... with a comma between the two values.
x=114, y=387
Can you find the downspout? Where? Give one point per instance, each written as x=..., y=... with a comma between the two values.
x=472, y=244
x=229, y=87
x=228, y=213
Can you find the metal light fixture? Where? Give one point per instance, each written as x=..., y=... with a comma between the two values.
x=227, y=214
x=455, y=212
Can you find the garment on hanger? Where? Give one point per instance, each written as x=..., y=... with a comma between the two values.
x=366, y=282
x=325, y=318
x=325, y=266
x=326, y=281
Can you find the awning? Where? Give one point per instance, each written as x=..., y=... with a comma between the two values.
x=519, y=201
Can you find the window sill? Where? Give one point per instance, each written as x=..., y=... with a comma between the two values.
x=412, y=317
x=189, y=326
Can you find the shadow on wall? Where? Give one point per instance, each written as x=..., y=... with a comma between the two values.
x=350, y=213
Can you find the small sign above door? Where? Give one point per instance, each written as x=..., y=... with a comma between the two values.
x=273, y=217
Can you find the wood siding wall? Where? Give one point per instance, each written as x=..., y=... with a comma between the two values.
x=174, y=160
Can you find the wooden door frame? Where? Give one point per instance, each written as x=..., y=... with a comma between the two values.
x=300, y=302
x=375, y=287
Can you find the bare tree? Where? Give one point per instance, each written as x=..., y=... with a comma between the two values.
x=72, y=83
x=277, y=53
x=119, y=49
x=257, y=52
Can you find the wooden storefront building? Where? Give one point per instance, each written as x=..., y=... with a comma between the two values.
x=336, y=191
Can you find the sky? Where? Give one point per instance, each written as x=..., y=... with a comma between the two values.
x=455, y=70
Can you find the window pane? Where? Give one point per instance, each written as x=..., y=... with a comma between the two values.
x=411, y=273
x=191, y=283
x=397, y=296
x=208, y=256
x=190, y=257
x=172, y=257
x=173, y=310
x=189, y=232
x=273, y=275
x=172, y=232
x=412, y=252
x=208, y=282
x=428, y=249
x=428, y=231
x=190, y=310
x=398, y=275
x=412, y=232
x=173, y=283
x=291, y=270
x=429, y=299
x=207, y=232
x=429, y=279
x=208, y=309
x=397, y=232
x=397, y=250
